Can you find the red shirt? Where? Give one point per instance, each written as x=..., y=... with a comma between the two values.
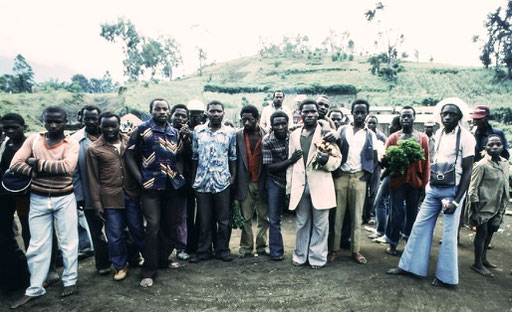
x=253, y=157
x=416, y=174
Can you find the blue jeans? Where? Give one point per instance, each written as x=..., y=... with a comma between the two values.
x=381, y=205
x=416, y=255
x=276, y=196
x=115, y=222
x=44, y=210
x=399, y=213
x=84, y=234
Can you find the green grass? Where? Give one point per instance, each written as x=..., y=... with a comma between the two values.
x=417, y=82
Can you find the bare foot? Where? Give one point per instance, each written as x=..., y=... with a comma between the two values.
x=22, y=301
x=483, y=270
x=146, y=282
x=68, y=291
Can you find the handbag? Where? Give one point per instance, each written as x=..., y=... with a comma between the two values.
x=444, y=174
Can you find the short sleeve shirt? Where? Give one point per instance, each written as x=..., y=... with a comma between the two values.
x=213, y=152
x=445, y=148
x=158, y=148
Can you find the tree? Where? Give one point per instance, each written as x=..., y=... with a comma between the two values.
x=201, y=53
x=498, y=42
x=158, y=56
x=81, y=81
x=22, y=79
x=391, y=41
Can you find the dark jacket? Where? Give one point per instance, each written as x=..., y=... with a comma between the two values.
x=109, y=177
x=243, y=176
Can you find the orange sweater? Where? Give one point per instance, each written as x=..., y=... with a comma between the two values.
x=54, y=170
x=416, y=174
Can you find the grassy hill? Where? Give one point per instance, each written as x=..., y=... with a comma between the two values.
x=419, y=82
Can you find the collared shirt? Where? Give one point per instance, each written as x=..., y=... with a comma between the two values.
x=253, y=157
x=158, y=148
x=445, y=148
x=356, y=142
x=489, y=187
x=275, y=151
x=268, y=111
x=109, y=176
x=213, y=152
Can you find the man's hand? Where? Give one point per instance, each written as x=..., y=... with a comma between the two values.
x=450, y=208
x=476, y=218
x=295, y=157
x=322, y=158
x=232, y=180
x=185, y=131
x=31, y=161
x=99, y=213
x=330, y=136
x=80, y=204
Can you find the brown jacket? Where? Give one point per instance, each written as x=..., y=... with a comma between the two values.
x=108, y=175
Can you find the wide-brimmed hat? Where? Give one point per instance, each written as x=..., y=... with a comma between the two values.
x=463, y=107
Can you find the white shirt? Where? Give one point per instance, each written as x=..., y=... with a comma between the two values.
x=447, y=143
x=268, y=111
x=356, y=144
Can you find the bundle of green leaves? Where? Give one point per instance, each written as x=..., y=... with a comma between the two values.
x=398, y=157
x=236, y=219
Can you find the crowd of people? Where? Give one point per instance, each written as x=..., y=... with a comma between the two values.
x=171, y=184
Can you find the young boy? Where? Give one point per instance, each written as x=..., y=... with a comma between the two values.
x=488, y=197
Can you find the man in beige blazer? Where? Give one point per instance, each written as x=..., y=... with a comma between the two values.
x=311, y=187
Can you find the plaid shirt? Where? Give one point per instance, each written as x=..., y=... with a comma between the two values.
x=158, y=148
x=275, y=151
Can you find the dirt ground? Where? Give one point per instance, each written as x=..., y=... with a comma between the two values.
x=257, y=283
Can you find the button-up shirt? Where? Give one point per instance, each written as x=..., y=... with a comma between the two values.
x=108, y=175
x=275, y=151
x=213, y=152
x=268, y=111
x=158, y=148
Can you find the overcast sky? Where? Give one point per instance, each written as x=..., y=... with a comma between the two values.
x=67, y=33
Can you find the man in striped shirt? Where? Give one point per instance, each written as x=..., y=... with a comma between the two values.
x=50, y=157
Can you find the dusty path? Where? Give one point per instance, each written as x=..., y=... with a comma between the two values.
x=257, y=283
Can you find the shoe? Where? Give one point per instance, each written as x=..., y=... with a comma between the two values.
x=396, y=271
x=182, y=255
x=313, y=266
x=381, y=240
x=375, y=235
x=371, y=221
x=244, y=254
x=391, y=250
x=104, y=271
x=146, y=282
x=173, y=265
x=489, y=265
x=277, y=258
x=295, y=263
x=264, y=252
x=359, y=258
x=226, y=258
x=437, y=283
x=121, y=274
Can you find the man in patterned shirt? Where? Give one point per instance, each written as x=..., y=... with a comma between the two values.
x=151, y=157
x=274, y=148
x=214, y=169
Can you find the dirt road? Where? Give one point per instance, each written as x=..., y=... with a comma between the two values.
x=257, y=283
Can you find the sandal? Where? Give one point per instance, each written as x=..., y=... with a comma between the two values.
x=483, y=271
x=146, y=282
x=359, y=258
x=68, y=291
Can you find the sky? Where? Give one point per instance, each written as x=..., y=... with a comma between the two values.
x=66, y=34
